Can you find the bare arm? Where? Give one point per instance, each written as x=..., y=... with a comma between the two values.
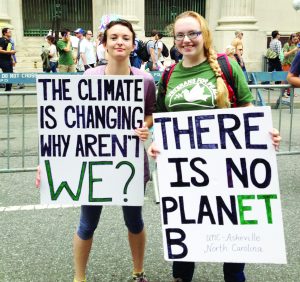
x=11, y=52
x=287, y=53
x=293, y=79
x=83, y=58
x=159, y=52
x=152, y=55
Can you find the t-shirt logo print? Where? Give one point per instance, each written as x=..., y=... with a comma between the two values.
x=197, y=92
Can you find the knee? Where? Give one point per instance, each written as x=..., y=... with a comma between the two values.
x=86, y=231
x=88, y=223
x=133, y=219
x=135, y=227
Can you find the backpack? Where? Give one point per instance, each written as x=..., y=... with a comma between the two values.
x=142, y=51
x=270, y=54
x=165, y=50
x=174, y=54
x=226, y=75
x=46, y=61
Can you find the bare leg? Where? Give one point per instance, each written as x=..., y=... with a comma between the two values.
x=137, y=245
x=81, y=251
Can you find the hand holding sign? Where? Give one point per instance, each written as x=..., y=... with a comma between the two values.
x=142, y=132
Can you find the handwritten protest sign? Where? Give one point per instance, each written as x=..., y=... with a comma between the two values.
x=89, y=153
x=219, y=190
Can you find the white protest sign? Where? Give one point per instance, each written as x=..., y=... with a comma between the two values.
x=89, y=152
x=218, y=182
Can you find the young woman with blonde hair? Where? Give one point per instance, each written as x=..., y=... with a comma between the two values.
x=199, y=69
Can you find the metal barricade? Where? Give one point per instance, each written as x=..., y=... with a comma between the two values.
x=18, y=131
x=19, y=125
x=283, y=112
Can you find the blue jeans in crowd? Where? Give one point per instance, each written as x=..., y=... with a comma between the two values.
x=53, y=66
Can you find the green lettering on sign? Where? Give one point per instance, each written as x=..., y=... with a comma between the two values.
x=267, y=199
x=64, y=184
x=93, y=180
x=243, y=209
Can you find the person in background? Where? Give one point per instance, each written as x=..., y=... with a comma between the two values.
x=87, y=52
x=230, y=51
x=200, y=68
x=152, y=49
x=237, y=43
x=290, y=50
x=53, y=58
x=79, y=34
x=66, y=62
x=135, y=60
x=6, y=52
x=276, y=46
x=14, y=58
x=294, y=72
x=100, y=51
x=174, y=54
x=159, y=48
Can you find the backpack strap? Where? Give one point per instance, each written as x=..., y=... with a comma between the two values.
x=166, y=76
x=226, y=69
x=227, y=76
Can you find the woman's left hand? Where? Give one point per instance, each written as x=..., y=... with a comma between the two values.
x=142, y=132
x=276, y=138
x=38, y=177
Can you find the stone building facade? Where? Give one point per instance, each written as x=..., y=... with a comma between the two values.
x=254, y=17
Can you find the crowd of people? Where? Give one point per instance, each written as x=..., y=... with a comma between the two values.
x=80, y=52
x=279, y=58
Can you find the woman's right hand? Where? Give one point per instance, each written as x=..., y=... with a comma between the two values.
x=153, y=151
x=38, y=177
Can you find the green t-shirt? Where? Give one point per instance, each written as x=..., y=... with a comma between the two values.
x=286, y=48
x=65, y=58
x=195, y=88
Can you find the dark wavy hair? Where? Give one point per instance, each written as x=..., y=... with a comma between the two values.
x=5, y=30
x=51, y=39
x=290, y=41
x=119, y=22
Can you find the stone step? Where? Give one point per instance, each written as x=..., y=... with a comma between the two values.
x=29, y=54
x=29, y=63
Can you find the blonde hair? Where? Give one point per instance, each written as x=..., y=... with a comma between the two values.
x=222, y=100
x=230, y=50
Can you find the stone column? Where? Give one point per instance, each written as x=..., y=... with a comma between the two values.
x=237, y=14
x=4, y=17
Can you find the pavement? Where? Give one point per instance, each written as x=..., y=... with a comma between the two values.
x=36, y=241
